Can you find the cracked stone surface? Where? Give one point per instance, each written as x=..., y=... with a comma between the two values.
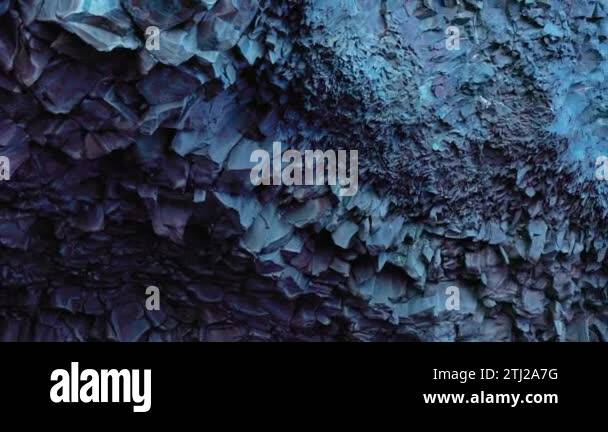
x=130, y=168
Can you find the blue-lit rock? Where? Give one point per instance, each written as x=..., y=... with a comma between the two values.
x=130, y=168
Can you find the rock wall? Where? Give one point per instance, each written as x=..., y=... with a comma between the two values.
x=130, y=166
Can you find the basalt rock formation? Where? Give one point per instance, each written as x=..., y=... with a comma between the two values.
x=130, y=167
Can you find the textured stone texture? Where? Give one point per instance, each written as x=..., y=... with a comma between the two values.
x=130, y=167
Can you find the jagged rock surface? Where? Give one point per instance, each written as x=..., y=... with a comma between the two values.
x=130, y=167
